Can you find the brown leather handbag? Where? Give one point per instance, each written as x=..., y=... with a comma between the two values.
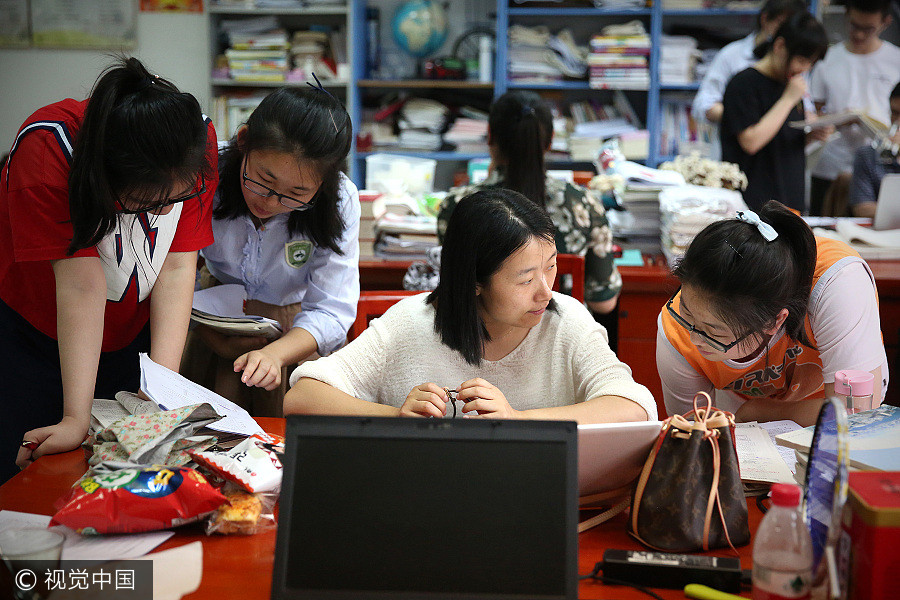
x=689, y=496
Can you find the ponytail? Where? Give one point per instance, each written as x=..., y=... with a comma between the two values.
x=140, y=137
x=521, y=127
x=748, y=280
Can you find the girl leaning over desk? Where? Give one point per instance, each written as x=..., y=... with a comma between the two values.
x=493, y=332
x=102, y=202
x=286, y=223
x=765, y=316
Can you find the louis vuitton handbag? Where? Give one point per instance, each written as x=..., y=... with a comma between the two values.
x=689, y=496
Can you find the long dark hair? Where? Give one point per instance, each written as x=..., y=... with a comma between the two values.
x=310, y=125
x=521, y=127
x=485, y=229
x=803, y=35
x=747, y=280
x=773, y=9
x=140, y=137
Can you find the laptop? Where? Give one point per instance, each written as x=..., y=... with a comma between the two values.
x=376, y=508
x=611, y=455
x=887, y=211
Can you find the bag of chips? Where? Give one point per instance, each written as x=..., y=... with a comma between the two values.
x=136, y=499
x=253, y=464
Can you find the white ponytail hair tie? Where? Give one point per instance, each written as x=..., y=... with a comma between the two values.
x=767, y=231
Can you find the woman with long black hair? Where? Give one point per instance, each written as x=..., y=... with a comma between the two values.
x=104, y=204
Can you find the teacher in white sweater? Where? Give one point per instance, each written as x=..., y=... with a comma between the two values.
x=493, y=333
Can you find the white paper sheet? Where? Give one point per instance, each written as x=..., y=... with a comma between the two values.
x=758, y=458
x=79, y=547
x=171, y=390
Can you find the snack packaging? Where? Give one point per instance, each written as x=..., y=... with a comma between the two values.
x=243, y=512
x=132, y=500
x=253, y=464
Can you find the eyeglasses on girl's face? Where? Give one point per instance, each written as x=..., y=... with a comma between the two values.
x=199, y=190
x=265, y=191
x=711, y=342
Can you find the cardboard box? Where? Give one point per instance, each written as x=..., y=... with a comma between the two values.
x=871, y=520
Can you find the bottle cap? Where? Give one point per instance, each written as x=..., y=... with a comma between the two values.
x=785, y=494
x=854, y=383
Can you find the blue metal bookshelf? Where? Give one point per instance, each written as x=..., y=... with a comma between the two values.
x=555, y=18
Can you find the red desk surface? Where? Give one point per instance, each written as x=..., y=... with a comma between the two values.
x=240, y=567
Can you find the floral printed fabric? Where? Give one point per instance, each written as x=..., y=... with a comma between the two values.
x=581, y=228
x=155, y=438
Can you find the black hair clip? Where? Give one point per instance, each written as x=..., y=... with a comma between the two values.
x=733, y=248
x=527, y=111
x=321, y=88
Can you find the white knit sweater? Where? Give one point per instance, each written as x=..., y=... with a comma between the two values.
x=563, y=360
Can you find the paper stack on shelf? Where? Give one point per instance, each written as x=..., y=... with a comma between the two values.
x=536, y=55
x=619, y=60
x=676, y=59
x=468, y=135
x=874, y=440
x=639, y=225
x=311, y=53
x=421, y=122
x=221, y=307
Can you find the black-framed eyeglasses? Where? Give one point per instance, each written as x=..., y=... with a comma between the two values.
x=715, y=344
x=266, y=192
x=168, y=202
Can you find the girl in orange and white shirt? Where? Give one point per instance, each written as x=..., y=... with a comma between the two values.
x=765, y=316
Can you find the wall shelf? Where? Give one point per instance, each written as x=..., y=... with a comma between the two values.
x=444, y=84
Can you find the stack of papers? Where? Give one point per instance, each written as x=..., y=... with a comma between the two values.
x=760, y=459
x=871, y=244
x=677, y=58
x=222, y=308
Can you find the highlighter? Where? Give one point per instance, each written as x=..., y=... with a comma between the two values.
x=702, y=592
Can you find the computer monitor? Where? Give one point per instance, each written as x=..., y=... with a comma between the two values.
x=467, y=509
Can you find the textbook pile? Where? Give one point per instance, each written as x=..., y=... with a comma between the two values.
x=619, y=56
x=874, y=441
x=258, y=50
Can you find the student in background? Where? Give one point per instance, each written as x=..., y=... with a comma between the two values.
x=493, y=331
x=869, y=168
x=765, y=316
x=737, y=56
x=760, y=102
x=105, y=203
x=856, y=74
x=286, y=223
x=520, y=128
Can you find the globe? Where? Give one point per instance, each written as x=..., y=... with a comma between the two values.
x=420, y=27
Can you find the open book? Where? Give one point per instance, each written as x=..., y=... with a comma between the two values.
x=870, y=244
x=872, y=126
x=222, y=308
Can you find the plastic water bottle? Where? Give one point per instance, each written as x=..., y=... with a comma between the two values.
x=857, y=387
x=782, y=550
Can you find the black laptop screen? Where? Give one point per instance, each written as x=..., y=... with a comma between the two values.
x=429, y=515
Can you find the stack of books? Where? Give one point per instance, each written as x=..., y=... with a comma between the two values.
x=677, y=58
x=874, y=441
x=620, y=61
x=405, y=237
x=421, y=122
x=639, y=225
x=258, y=50
x=468, y=135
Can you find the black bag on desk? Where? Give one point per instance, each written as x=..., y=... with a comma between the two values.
x=689, y=496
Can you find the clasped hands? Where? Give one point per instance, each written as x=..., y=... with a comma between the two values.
x=479, y=399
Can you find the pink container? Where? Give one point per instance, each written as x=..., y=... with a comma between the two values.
x=857, y=387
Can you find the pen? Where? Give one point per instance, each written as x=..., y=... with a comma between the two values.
x=30, y=445
x=702, y=592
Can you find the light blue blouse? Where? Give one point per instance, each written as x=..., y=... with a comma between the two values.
x=278, y=268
